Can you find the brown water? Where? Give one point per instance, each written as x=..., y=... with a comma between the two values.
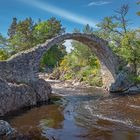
x=84, y=117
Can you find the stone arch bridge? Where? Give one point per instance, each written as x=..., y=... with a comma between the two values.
x=24, y=66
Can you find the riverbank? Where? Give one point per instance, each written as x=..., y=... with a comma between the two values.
x=69, y=85
x=119, y=88
x=70, y=88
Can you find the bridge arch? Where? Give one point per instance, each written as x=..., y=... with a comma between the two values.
x=24, y=66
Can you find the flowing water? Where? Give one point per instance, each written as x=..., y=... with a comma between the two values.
x=89, y=116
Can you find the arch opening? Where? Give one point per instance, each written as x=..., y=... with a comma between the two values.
x=79, y=64
x=108, y=60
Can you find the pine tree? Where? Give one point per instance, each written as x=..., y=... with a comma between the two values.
x=21, y=34
x=87, y=29
x=12, y=29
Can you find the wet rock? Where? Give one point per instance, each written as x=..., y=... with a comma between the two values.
x=122, y=83
x=43, y=90
x=133, y=90
x=5, y=129
x=30, y=135
x=9, y=133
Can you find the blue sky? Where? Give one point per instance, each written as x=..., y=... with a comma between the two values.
x=72, y=13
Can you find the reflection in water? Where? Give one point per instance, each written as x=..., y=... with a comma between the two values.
x=36, y=116
x=85, y=118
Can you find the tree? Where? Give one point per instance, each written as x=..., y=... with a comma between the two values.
x=25, y=34
x=81, y=64
x=87, y=29
x=4, y=54
x=108, y=30
x=114, y=27
x=81, y=51
x=12, y=28
x=22, y=38
x=54, y=56
x=121, y=17
x=47, y=29
x=3, y=42
x=130, y=49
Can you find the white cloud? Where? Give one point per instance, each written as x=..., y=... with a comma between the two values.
x=98, y=3
x=61, y=12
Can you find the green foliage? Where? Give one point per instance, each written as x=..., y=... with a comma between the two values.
x=87, y=29
x=77, y=71
x=138, y=13
x=26, y=34
x=108, y=25
x=53, y=57
x=123, y=41
x=3, y=41
x=135, y=79
x=81, y=64
x=12, y=28
x=130, y=49
x=113, y=28
x=21, y=35
x=47, y=29
x=3, y=54
x=109, y=30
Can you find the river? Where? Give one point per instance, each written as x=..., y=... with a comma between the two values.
x=82, y=114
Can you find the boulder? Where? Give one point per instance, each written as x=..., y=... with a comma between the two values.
x=14, y=97
x=22, y=96
x=43, y=90
x=122, y=83
x=133, y=90
x=5, y=129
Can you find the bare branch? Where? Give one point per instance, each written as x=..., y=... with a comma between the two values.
x=121, y=16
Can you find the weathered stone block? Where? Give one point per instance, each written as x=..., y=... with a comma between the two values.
x=14, y=97
x=43, y=90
